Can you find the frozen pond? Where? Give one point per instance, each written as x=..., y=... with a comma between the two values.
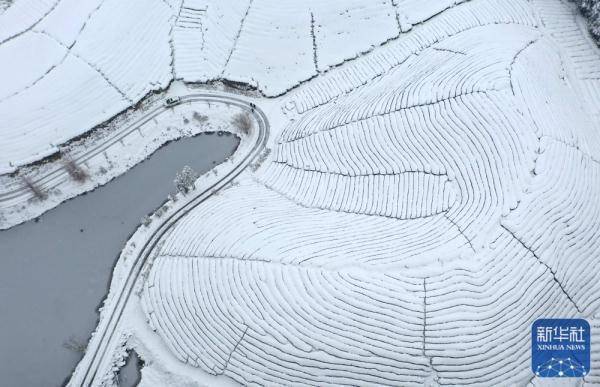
x=54, y=272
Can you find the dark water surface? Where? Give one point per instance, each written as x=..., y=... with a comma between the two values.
x=54, y=273
x=129, y=375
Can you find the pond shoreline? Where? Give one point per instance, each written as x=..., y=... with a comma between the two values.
x=80, y=239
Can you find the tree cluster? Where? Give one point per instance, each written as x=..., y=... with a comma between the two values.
x=591, y=10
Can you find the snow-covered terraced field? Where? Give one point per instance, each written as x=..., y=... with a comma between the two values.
x=424, y=204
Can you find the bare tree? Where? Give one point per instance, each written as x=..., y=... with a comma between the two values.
x=73, y=169
x=243, y=122
x=186, y=179
x=37, y=191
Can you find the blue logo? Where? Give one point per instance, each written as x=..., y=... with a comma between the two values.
x=560, y=348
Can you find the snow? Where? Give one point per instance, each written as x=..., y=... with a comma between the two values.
x=77, y=12
x=565, y=27
x=134, y=56
x=203, y=37
x=35, y=121
x=32, y=56
x=375, y=63
x=429, y=186
x=275, y=46
x=23, y=15
x=418, y=11
x=364, y=24
x=272, y=51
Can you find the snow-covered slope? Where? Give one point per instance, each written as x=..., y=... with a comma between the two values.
x=69, y=72
x=275, y=46
x=426, y=203
x=22, y=16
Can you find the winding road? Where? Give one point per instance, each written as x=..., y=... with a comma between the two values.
x=104, y=340
x=59, y=175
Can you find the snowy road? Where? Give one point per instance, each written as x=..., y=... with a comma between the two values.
x=105, y=337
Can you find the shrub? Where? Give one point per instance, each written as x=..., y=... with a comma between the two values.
x=185, y=180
